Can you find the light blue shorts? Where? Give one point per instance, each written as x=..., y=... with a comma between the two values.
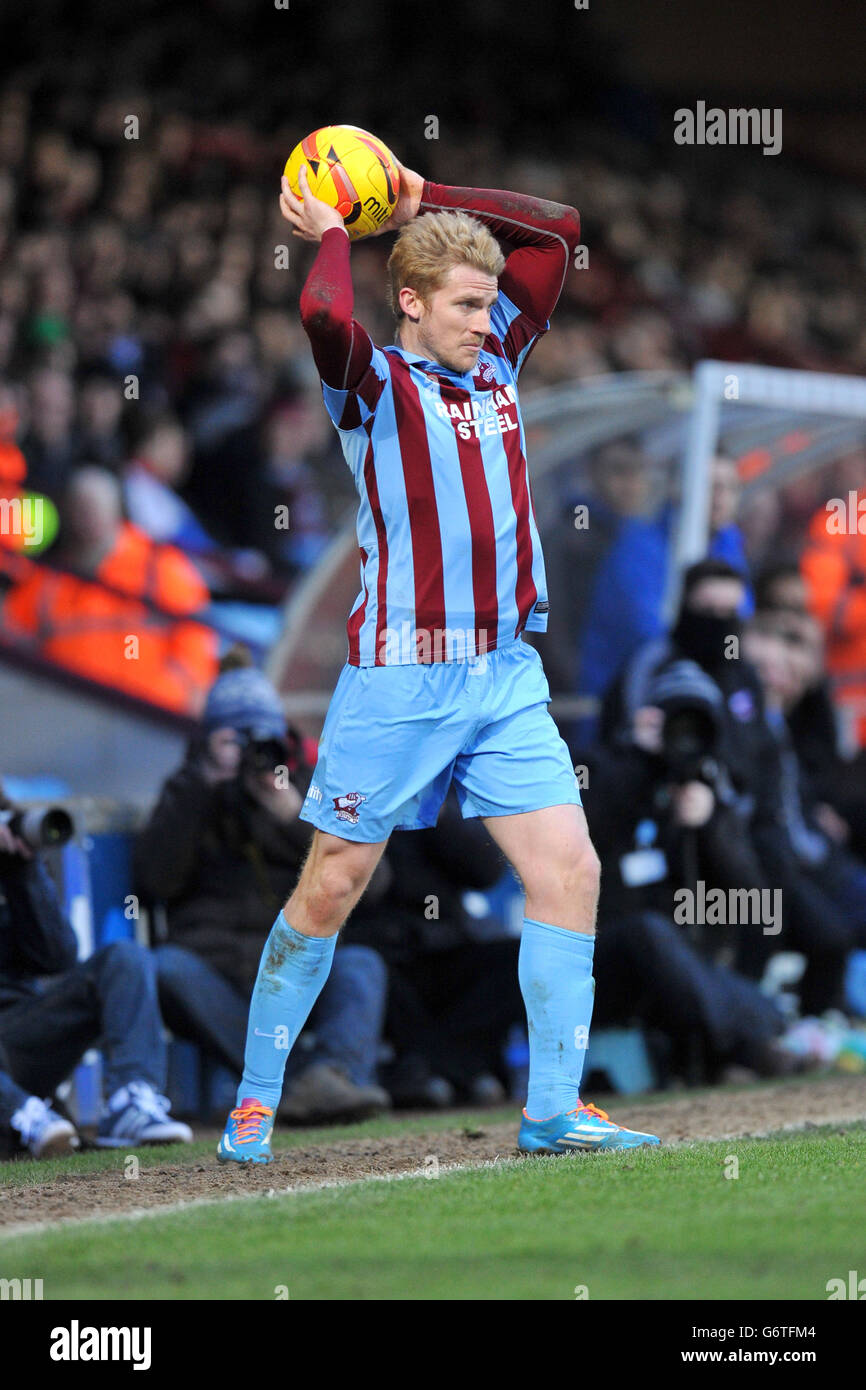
x=395, y=736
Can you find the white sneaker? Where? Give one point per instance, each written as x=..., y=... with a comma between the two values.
x=45, y=1133
x=136, y=1114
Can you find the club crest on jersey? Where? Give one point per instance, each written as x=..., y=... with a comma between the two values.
x=346, y=806
x=486, y=371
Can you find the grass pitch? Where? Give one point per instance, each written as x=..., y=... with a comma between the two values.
x=670, y=1223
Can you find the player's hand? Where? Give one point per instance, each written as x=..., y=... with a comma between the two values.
x=310, y=216
x=408, y=200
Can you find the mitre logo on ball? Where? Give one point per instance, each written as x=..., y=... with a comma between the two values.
x=351, y=169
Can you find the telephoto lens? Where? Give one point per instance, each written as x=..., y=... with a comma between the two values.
x=42, y=827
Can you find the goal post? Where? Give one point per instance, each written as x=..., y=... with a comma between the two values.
x=718, y=385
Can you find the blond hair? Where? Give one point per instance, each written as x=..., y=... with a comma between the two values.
x=428, y=247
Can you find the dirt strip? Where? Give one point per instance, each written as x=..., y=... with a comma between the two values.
x=713, y=1115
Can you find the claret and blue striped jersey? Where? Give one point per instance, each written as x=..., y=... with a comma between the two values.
x=450, y=558
x=449, y=546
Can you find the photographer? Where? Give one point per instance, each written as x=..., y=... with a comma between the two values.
x=661, y=818
x=222, y=851
x=54, y=1007
x=708, y=632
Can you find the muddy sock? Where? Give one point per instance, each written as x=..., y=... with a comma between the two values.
x=555, y=972
x=292, y=971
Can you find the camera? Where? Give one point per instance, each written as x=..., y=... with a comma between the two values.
x=690, y=745
x=263, y=754
x=692, y=729
x=42, y=828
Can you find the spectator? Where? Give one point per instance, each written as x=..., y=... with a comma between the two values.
x=119, y=609
x=227, y=487
x=151, y=485
x=816, y=832
x=49, y=444
x=834, y=568
x=606, y=574
x=659, y=829
x=29, y=1124
x=13, y=470
x=726, y=539
x=151, y=479
x=805, y=694
x=53, y=1008
x=101, y=437
x=775, y=843
x=780, y=588
x=608, y=568
x=294, y=436
x=838, y=782
x=222, y=850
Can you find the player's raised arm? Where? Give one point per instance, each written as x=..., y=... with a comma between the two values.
x=544, y=235
x=342, y=349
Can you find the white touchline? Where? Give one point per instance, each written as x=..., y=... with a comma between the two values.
x=188, y=1204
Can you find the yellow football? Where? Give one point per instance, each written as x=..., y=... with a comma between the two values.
x=351, y=170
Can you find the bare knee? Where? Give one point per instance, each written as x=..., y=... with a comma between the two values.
x=332, y=881
x=341, y=880
x=564, y=891
x=578, y=876
x=587, y=869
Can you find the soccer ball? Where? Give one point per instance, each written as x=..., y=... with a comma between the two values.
x=353, y=171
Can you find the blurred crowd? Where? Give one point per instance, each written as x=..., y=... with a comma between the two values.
x=731, y=828
x=608, y=545
x=724, y=755
x=148, y=328
x=157, y=392
x=418, y=1011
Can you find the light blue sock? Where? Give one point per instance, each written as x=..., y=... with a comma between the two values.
x=555, y=973
x=292, y=971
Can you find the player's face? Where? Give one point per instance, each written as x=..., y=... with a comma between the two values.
x=452, y=328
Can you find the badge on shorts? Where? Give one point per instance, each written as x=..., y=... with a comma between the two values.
x=346, y=806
